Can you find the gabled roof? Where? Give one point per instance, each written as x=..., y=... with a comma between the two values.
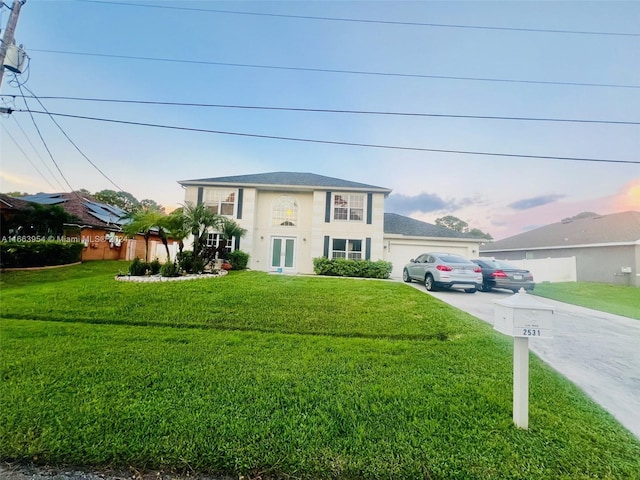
x=86, y=208
x=12, y=203
x=617, y=228
x=410, y=227
x=297, y=180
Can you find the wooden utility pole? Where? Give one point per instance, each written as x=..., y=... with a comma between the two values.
x=7, y=38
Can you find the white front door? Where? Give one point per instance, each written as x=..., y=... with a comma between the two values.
x=282, y=253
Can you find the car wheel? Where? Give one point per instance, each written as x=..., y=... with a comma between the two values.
x=405, y=276
x=428, y=283
x=485, y=287
x=470, y=290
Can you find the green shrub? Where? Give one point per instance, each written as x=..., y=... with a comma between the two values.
x=238, y=259
x=139, y=268
x=341, y=267
x=39, y=253
x=155, y=267
x=170, y=269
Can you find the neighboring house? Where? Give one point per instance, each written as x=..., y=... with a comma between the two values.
x=9, y=207
x=606, y=247
x=98, y=227
x=292, y=217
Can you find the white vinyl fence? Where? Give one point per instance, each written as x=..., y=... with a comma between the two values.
x=549, y=269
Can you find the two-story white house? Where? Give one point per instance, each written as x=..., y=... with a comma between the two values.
x=292, y=217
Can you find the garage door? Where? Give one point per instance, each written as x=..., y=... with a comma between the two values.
x=399, y=254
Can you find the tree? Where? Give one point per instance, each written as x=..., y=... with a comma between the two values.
x=458, y=225
x=452, y=223
x=148, y=204
x=198, y=219
x=476, y=232
x=123, y=200
x=228, y=229
x=39, y=220
x=581, y=215
x=16, y=194
x=177, y=227
x=145, y=222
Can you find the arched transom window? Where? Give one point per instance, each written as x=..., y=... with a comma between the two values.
x=285, y=212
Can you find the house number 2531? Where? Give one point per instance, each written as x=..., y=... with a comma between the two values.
x=531, y=332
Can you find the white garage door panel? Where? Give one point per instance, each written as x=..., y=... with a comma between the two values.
x=400, y=254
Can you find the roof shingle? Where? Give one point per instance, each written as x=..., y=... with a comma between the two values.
x=621, y=227
x=290, y=179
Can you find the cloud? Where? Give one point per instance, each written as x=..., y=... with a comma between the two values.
x=629, y=197
x=425, y=202
x=527, y=203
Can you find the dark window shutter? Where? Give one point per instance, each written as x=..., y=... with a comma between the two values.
x=327, y=210
x=240, y=195
x=236, y=243
x=367, y=251
x=200, y=194
x=369, y=208
x=326, y=246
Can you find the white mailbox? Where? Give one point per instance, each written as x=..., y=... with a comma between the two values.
x=523, y=316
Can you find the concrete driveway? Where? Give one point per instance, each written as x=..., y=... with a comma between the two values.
x=599, y=352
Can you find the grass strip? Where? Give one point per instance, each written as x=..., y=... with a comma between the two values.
x=616, y=299
x=393, y=384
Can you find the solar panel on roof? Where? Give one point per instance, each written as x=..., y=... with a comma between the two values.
x=106, y=213
x=44, y=198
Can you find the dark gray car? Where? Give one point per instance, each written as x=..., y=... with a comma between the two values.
x=500, y=274
x=443, y=270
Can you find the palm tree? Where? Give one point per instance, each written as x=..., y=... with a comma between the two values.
x=198, y=220
x=177, y=227
x=145, y=222
x=228, y=230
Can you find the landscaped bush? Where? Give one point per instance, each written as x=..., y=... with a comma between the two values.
x=155, y=267
x=341, y=267
x=238, y=260
x=39, y=254
x=169, y=269
x=139, y=268
x=190, y=264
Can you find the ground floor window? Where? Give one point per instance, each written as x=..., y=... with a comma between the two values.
x=216, y=241
x=345, y=248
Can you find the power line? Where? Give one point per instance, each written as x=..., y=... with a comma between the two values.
x=44, y=142
x=361, y=20
x=329, y=70
x=73, y=143
x=38, y=154
x=332, y=142
x=27, y=156
x=326, y=110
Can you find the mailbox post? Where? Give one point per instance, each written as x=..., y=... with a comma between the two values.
x=522, y=317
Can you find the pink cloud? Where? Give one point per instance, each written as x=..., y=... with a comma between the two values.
x=511, y=223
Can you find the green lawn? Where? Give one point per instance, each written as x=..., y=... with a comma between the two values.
x=617, y=299
x=294, y=377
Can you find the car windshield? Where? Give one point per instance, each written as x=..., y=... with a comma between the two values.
x=453, y=259
x=499, y=265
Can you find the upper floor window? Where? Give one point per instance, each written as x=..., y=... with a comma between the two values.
x=220, y=201
x=348, y=207
x=285, y=212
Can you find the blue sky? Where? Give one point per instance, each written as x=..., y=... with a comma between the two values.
x=500, y=195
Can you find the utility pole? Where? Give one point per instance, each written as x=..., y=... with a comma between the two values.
x=8, y=39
